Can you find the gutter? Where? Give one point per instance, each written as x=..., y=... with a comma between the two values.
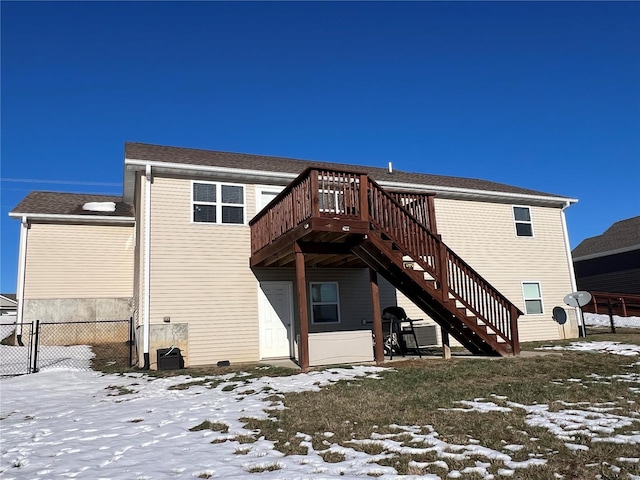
x=147, y=266
x=572, y=274
x=22, y=266
x=477, y=193
x=607, y=253
x=82, y=218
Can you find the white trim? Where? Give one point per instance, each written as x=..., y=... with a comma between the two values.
x=211, y=169
x=22, y=270
x=529, y=222
x=147, y=260
x=473, y=192
x=572, y=272
x=524, y=298
x=243, y=173
x=219, y=204
x=312, y=303
x=607, y=253
x=83, y=218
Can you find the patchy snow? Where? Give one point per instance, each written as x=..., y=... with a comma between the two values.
x=616, y=348
x=84, y=424
x=99, y=206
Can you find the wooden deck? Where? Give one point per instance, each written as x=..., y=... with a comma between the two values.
x=343, y=219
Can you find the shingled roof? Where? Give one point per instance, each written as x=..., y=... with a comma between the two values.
x=624, y=234
x=59, y=203
x=211, y=158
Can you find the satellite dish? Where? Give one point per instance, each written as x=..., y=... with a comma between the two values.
x=559, y=315
x=577, y=299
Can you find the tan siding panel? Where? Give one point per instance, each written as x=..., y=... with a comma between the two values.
x=483, y=234
x=200, y=275
x=79, y=261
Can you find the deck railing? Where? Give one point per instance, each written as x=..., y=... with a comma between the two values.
x=315, y=193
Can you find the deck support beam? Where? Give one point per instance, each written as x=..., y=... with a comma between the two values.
x=377, y=317
x=303, y=312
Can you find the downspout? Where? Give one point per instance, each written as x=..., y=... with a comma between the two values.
x=22, y=269
x=572, y=273
x=147, y=265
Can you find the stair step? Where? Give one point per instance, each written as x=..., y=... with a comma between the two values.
x=382, y=254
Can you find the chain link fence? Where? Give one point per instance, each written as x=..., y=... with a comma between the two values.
x=31, y=347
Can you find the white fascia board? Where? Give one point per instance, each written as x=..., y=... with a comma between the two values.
x=282, y=176
x=185, y=167
x=479, y=194
x=607, y=253
x=74, y=218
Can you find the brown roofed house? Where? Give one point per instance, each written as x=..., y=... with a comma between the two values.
x=232, y=257
x=610, y=262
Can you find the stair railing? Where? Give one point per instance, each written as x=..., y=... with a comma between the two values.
x=452, y=274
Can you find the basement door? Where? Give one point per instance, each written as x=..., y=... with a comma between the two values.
x=275, y=310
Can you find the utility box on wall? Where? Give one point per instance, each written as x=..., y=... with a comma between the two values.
x=169, y=359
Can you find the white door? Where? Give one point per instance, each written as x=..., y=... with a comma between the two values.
x=276, y=319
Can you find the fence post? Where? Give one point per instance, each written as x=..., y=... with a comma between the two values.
x=130, y=341
x=613, y=326
x=35, y=347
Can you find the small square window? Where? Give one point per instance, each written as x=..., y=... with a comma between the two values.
x=325, y=304
x=522, y=218
x=204, y=192
x=532, y=298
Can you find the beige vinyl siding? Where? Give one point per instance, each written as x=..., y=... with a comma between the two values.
x=79, y=261
x=200, y=275
x=483, y=234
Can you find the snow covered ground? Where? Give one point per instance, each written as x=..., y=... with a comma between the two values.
x=84, y=424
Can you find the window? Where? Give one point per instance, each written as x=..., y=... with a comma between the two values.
x=218, y=203
x=522, y=217
x=265, y=195
x=532, y=298
x=325, y=305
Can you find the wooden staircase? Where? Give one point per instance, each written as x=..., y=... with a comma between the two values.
x=421, y=266
x=389, y=234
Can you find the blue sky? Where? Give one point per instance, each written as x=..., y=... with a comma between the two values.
x=542, y=95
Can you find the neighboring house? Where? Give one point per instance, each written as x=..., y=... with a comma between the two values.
x=8, y=305
x=75, y=257
x=307, y=277
x=610, y=262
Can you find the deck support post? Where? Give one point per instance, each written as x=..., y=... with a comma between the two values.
x=446, y=346
x=432, y=214
x=515, y=336
x=303, y=312
x=364, y=197
x=443, y=271
x=377, y=317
